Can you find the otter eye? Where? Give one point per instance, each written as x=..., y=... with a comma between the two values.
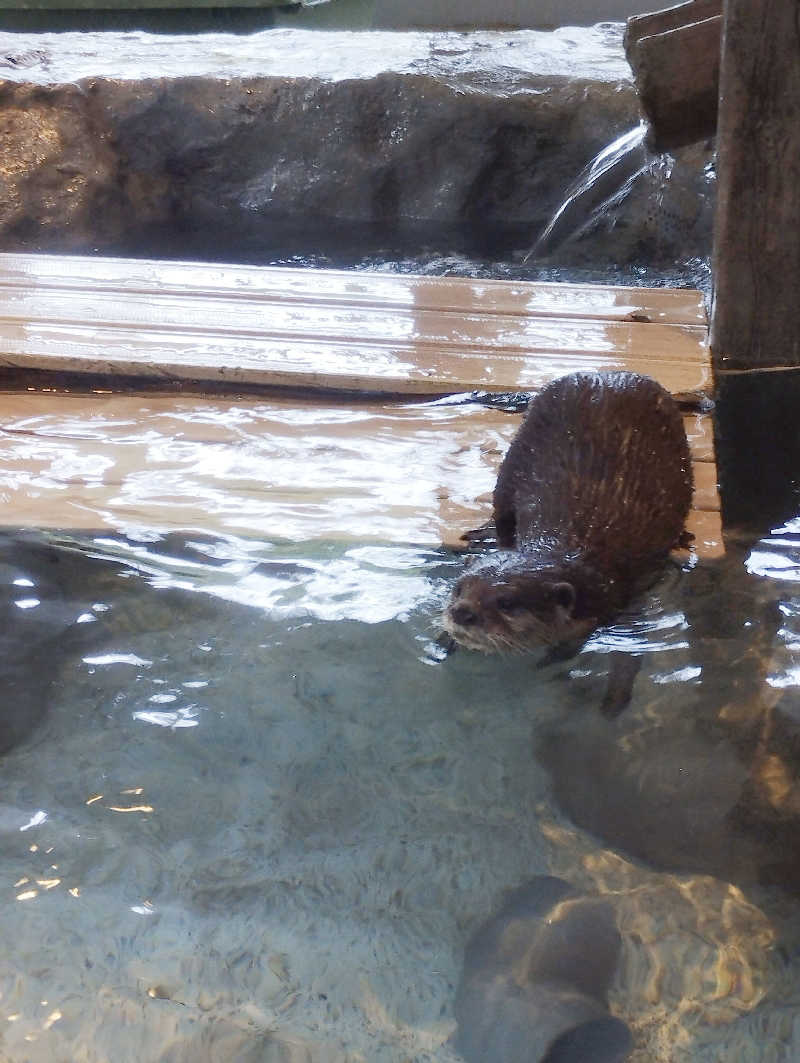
x=507, y=604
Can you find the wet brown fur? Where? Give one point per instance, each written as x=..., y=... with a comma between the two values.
x=591, y=496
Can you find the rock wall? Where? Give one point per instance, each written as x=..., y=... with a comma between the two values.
x=106, y=138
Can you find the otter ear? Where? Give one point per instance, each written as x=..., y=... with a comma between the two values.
x=563, y=597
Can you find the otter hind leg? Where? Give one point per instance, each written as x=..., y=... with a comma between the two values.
x=505, y=522
x=622, y=671
x=487, y=533
x=502, y=531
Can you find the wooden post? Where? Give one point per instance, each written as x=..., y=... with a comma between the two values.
x=756, y=311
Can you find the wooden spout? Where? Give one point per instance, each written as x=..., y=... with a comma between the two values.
x=675, y=57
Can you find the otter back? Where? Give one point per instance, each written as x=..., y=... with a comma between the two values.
x=600, y=468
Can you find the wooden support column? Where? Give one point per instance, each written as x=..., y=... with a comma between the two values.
x=756, y=312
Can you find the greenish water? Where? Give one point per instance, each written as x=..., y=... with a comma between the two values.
x=177, y=16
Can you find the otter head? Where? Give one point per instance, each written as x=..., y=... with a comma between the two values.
x=516, y=606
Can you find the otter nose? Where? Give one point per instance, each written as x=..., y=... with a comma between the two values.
x=463, y=615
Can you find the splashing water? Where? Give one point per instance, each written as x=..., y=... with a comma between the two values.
x=606, y=179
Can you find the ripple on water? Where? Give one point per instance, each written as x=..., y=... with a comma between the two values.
x=253, y=819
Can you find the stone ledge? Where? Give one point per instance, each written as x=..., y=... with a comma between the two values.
x=109, y=136
x=109, y=132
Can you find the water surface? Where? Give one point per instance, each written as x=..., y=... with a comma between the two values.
x=258, y=815
x=251, y=811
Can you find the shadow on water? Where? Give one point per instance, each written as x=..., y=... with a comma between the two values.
x=58, y=602
x=46, y=622
x=536, y=980
x=691, y=782
x=758, y=450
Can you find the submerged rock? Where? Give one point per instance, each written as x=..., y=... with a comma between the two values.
x=172, y=144
x=536, y=978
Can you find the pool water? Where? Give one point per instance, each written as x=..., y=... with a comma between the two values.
x=250, y=810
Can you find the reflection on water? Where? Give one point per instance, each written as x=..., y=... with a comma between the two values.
x=46, y=613
x=248, y=815
x=481, y=247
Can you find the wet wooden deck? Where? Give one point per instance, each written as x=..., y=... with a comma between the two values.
x=399, y=468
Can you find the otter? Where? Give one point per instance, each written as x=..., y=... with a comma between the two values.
x=591, y=496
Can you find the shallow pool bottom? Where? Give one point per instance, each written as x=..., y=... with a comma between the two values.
x=244, y=832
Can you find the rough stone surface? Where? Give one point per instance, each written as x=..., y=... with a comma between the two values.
x=105, y=138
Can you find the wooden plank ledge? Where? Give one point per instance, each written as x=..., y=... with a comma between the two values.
x=318, y=329
x=681, y=306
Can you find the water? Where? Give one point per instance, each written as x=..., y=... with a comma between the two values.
x=251, y=812
x=628, y=206
x=643, y=257
x=606, y=179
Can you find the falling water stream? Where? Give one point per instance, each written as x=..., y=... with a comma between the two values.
x=603, y=182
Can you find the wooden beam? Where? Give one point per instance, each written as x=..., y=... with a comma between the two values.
x=156, y=279
x=345, y=332
x=756, y=312
x=677, y=78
